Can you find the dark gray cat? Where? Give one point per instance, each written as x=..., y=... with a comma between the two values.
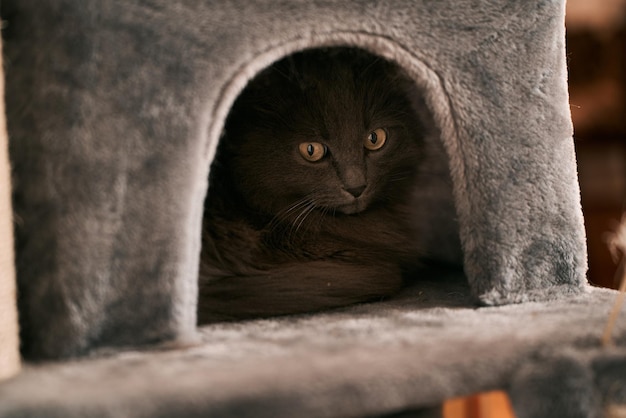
x=309, y=194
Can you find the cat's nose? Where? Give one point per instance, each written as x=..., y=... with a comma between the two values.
x=356, y=191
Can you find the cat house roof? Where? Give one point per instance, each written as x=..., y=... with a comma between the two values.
x=114, y=112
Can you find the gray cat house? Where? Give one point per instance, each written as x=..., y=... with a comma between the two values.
x=114, y=112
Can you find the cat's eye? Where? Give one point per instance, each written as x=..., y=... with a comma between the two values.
x=312, y=151
x=375, y=139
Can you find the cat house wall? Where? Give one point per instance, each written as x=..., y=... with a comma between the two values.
x=115, y=110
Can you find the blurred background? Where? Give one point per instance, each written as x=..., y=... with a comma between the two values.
x=596, y=52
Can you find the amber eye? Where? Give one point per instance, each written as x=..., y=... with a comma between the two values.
x=312, y=151
x=376, y=139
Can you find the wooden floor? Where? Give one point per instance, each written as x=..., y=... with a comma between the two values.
x=483, y=405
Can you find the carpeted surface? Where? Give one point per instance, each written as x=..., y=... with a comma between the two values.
x=426, y=345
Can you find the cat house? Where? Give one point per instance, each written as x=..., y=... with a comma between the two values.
x=114, y=112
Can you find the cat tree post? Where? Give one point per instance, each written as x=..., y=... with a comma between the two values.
x=9, y=339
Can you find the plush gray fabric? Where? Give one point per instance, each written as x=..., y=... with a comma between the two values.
x=114, y=111
x=426, y=345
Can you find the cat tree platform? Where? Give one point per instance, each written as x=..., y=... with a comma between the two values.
x=426, y=345
x=114, y=111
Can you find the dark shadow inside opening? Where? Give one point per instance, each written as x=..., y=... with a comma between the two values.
x=330, y=187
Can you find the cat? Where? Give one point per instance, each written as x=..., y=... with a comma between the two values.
x=309, y=193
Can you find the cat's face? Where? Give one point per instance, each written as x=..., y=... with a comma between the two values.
x=333, y=134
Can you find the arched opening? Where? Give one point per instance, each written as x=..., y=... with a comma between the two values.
x=330, y=184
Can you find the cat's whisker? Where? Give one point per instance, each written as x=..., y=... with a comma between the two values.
x=321, y=214
x=395, y=179
x=283, y=215
x=291, y=224
x=298, y=204
x=303, y=215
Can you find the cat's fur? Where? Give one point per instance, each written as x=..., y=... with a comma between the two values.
x=281, y=234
